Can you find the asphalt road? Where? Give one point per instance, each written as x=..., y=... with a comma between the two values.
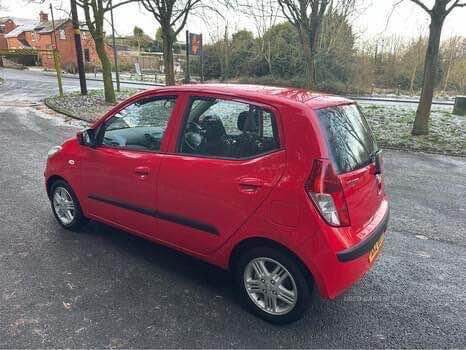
x=33, y=86
x=104, y=288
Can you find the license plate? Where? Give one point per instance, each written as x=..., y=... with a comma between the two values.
x=376, y=249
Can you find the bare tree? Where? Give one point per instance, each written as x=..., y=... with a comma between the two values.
x=457, y=75
x=453, y=51
x=172, y=16
x=264, y=14
x=439, y=11
x=138, y=34
x=94, y=12
x=307, y=16
x=413, y=59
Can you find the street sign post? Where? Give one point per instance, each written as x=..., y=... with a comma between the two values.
x=194, y=48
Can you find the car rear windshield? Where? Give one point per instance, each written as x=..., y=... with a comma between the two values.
x=348, y=137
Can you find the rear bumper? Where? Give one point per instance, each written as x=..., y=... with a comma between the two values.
x=363, y=247
x=335, y=270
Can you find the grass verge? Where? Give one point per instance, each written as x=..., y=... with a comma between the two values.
x=89, y=107
x=392, y=124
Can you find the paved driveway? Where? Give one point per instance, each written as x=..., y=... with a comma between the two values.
x=104, y=288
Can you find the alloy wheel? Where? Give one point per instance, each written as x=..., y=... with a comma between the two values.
x=63, y=205
x=270, y=286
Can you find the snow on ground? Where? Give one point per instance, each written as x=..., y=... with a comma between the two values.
x=56, y=119
x=392, y=124
x=89, y=107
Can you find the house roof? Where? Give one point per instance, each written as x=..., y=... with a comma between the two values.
x=24, y=44
x=23, y=25
x=28, y=25
x=3, y=20
x=46, y=27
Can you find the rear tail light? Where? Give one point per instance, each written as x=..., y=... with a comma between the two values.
x=379, y=170
x=324, y=189
x=378, y=162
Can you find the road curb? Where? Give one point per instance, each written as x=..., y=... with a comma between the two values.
x=459, y=155
x=62, y=111
x=394, y=100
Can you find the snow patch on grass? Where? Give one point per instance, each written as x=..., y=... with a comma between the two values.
x=89, y=107
x=392, y=124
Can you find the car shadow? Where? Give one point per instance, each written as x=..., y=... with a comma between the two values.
x=195, y=271
x=165, y=258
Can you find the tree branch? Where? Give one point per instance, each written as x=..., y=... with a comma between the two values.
x=455, y=4
x=148, y=6
x=184, y=12
x=114, y=6
x=422, y=5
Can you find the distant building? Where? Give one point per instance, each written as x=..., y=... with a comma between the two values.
x=40, y=35
x=9, y=25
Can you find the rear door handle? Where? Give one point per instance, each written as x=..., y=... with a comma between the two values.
x=250, y=185
x=142, y=170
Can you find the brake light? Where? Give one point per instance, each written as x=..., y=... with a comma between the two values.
x=378, y=162
x=379, y=171
x=324, y=189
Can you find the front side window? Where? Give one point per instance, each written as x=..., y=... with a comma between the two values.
x=224, y=128
x=139, y=126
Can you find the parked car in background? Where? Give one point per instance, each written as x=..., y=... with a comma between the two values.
x=281, y=186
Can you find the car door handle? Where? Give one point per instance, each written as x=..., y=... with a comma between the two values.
x=142, y=170
x=250, y=185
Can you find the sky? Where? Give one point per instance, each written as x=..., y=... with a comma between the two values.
x=407, y=20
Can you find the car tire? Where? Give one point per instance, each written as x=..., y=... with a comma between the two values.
x=62, y=199
x=262, y=304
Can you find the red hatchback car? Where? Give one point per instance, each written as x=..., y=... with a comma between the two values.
x=281, y=186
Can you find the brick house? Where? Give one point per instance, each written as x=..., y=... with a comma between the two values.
x=41, y=35
x=6, y=26
x=17, y=32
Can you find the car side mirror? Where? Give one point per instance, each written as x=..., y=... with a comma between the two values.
x=86, y=137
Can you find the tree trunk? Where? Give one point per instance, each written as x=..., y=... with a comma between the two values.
x=309, y=59
x=421, y=123
x=168, y=66
x=109, y=91
x=447, y=76
x=413, y=77
x=226, y=56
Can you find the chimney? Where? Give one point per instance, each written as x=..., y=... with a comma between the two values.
x=44, y=17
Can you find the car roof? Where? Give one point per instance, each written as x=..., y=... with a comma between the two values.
x=312, y=99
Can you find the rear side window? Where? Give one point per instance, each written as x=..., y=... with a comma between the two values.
x=349, y=138
x=230, y=129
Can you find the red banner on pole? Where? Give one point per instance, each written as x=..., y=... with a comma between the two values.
x=195, y=44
